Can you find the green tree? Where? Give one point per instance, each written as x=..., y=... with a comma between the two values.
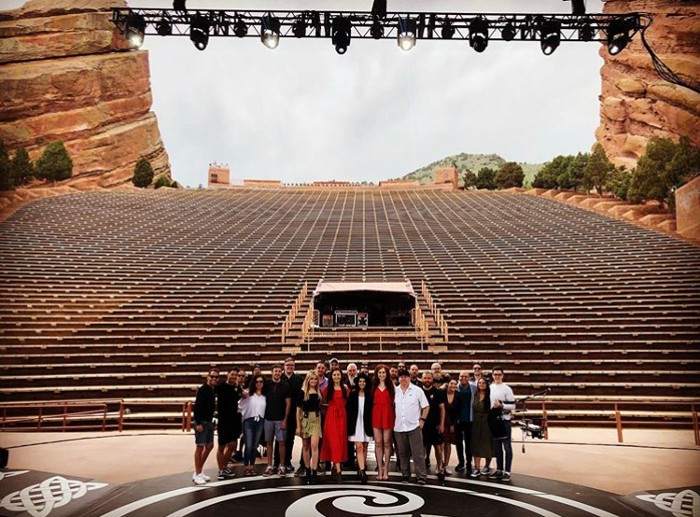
x=469, y=179
x=619, y=182
x=572, y=177
x=143, y=173
x=664, y=167
x=510, y=175
x=486, y=178
x=5, y=168
x=548, y=176
x=597, y=170
x=22, y=168
x=55, y=163
x=162, y=181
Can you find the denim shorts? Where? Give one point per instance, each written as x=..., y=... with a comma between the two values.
x=206, y=435
x=273, y=428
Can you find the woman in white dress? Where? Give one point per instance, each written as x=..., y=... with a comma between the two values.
x=359, y=411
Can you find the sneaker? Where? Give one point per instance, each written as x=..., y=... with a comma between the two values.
x=268, y=471
x=506, y=476
x=497, y=474
x=199, y=479
x=220, y=476
x=289, y=469
x=228, y=473
x=474, y=474
x=301, y=472
x=460, y=467
x=485, y=471
x=421, y=481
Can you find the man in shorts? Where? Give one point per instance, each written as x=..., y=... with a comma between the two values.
x=204, y=407
x=279, y=404
x=229, y=426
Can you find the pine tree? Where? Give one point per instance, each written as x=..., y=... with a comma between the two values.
x=597, y=170
x=143, y=173
x=55, y=163
x=510, y=175
x=6, y=182
x=22, y=168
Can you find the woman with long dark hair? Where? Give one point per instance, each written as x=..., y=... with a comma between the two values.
x=252, y=407
x=383, y=417
x=334, y=447
x=453, y=403
x=359, y=411
x=308, y=416
x=482, y=446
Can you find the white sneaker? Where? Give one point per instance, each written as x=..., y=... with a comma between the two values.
x=199, y=480
x=206, y=478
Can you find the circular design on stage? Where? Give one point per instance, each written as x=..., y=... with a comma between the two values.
x=39, y=500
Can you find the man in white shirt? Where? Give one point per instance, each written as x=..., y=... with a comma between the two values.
x=502, y=398
x=411, y=412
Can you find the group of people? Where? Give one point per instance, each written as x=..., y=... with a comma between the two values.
x=337, y=413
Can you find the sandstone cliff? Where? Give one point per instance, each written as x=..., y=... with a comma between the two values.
x=67, y=74
x=636, y=103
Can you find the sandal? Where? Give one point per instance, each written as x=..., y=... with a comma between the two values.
x=268, y=471
x=281, y=472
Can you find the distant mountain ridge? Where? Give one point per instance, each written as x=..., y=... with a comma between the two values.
x=473, y=162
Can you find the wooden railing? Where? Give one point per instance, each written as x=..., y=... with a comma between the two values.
x=307, y=328
x=185, y=423
x=439, y=320
x=292, y=314
x=421, y=325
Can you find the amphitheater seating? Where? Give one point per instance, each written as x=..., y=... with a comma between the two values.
x=135, y=295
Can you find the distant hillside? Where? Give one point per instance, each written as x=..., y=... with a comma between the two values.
x=473, y=162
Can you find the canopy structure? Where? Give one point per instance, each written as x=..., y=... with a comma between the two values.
x=364, y=304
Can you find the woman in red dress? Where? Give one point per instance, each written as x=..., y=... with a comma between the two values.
x=335, y=431
x=383, y=416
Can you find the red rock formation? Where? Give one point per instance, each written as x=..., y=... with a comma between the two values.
x=67, y=74
x=636, y=103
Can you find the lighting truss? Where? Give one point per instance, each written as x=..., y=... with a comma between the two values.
x=319, y=24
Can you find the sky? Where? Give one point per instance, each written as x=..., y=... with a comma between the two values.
x=302, y=112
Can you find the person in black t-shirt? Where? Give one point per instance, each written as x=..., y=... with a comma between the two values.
x=203, y=420
x=279, y=404
x=435, y=422
x=308, y=423
x=295, y=381
x=229, y=427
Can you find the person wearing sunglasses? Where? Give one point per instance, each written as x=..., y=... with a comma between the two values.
x=252, y=408
x=203, y=419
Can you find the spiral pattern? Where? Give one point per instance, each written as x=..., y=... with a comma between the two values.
x=358, y=502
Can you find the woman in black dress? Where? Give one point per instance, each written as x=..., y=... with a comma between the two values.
x=359, y=410
x=482, y=446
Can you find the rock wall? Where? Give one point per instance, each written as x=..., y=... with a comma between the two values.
x=67, y=74
x=636, y=103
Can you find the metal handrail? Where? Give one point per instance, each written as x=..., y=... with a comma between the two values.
x=68, y=414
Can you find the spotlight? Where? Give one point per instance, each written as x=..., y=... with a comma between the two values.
x=508, y=32
x=379, y=9
x=407, y=33
x=448, y=31
x=479, y=34
x=180, y=5
x=135, y=29
x=199, y=31
x=341, y=32
x=299, y=27
x=586, y=32
x=377, y=30
x=550, y=34
x=270, y=31
x=164, y=27
x=618, y=35
x=240, y=28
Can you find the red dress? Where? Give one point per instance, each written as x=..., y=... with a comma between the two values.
x=334, y=446
x=383, y=414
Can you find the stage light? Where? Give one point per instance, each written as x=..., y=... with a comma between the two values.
x=407, y=33
x=270, y=31
x=447, y=31
x=164, y=27
x=586, y=32
x=508, y=32
x=199, y=31
x=341, y=33
x=377, y=30
x=135, y=29
x=550, y=34
x=180, y=5
x=618, y=36
x=240, y=28
x=379, y=9
x=479, y=34
x=299, y=27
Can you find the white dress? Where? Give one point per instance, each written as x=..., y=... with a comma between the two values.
x=359, y=434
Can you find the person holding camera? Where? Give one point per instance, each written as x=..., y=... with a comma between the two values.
x=502, y=402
